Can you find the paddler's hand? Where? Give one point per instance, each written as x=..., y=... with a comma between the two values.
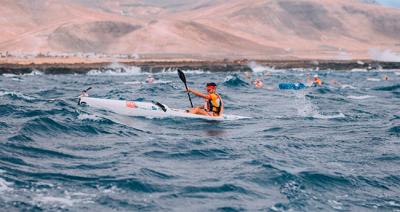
x=188, y=90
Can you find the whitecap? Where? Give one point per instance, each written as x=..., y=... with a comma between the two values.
x=257, y=68
x=359, y=70
x=113, y=189
x=117, y=69
x=161, y=82
x=69, y=199
x=190, y=71
x=335, y=116
x=34, y=73
x=9, y=75
x=17, y=79
x=307, y=109
x=89, y=117
x=4, y=185
x=55, y=200
x=133, y=83
x=17, y=94
x=344, y=86
x=116, y=72
x=393, y=203
x=374, y=79
x=335, y=204
x=361, y=97
x=235, y=117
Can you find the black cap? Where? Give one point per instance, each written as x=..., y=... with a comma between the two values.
x=211, y=84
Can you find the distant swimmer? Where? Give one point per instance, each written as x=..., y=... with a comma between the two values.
x=316, y=82
x=150, y=79
x=386, y=78
x=258, y=83
x=214, y=106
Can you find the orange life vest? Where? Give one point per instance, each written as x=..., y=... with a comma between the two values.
x=214, y=103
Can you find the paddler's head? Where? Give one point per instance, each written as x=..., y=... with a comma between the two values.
x=211, y=87
x=316, y=77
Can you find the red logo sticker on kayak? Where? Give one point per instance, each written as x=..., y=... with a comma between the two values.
x=130, y=104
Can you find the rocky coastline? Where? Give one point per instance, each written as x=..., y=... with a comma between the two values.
x=155, y=66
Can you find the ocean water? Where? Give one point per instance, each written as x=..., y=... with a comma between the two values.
x=335, y=148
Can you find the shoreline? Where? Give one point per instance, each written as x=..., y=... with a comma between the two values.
x=69, y=66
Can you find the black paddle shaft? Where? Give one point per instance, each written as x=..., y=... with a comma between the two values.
x=88, y=89
x=183, y=78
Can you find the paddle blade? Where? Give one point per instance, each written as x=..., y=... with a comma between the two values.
x=182, y=76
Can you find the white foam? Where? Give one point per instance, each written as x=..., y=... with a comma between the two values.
x=117, y=69
x=310, y=110
x=229, y=77
x=393, y=203
x=133, y=83
x=257, y=68
x=9, y=75
x=34, y=73
x=235, y=117
x=359, y=70
x=117, y=72
x=335, y=204
x=16, y=79
x=344, y=86
x=69, y=199
x=361, y=97
x=335, y=116
x=17, y=94
x=89, y=117
x=55, y=200
x=161, y=82
x=300, y=69
x=374, y=79
x=112, y=190
x=4, y=185
x=191, y=71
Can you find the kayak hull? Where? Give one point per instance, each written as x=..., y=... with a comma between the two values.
x=146, y=109
x=292, y=86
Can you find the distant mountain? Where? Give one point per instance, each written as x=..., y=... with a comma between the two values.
x=214, y=28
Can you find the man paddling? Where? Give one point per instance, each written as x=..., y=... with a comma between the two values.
x=316, y=82
x=214, y=106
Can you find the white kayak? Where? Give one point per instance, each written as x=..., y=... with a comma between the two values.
x=147, y=109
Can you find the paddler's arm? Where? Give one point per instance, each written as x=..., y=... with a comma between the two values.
x=222, y=108
x=198, y=93
x=309, y=79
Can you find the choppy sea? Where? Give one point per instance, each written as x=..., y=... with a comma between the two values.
x=334, y=148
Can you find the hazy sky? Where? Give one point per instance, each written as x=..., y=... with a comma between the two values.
x=395, y=3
